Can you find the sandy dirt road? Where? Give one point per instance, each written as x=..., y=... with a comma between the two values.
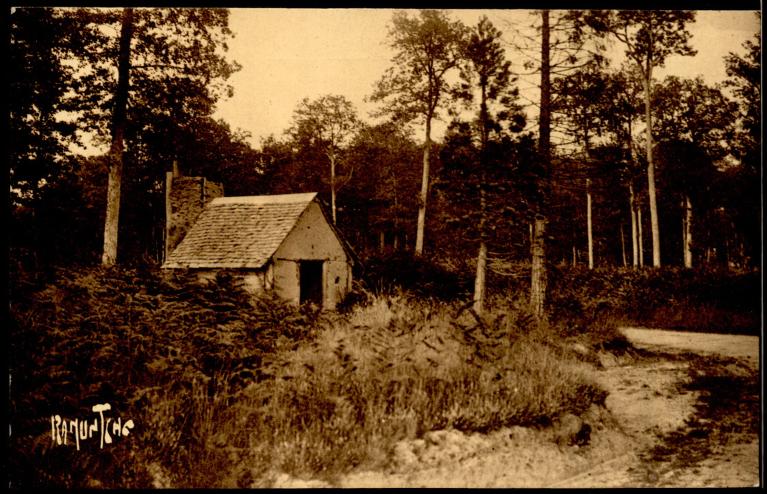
x=647, y=400
x=633, y=441
x=737, y=346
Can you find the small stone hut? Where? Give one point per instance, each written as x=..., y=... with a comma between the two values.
x=283, y=243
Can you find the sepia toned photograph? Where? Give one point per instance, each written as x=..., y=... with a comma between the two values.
x=384, y=248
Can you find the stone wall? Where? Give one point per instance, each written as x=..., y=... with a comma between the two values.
x=186, y=197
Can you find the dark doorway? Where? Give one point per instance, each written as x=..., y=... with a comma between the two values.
x=310, y=278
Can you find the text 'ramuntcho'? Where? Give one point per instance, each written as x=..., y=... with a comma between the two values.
x=83, y=429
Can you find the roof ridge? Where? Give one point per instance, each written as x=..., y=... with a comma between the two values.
x=304, y=197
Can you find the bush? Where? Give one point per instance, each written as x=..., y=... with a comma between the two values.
x=226, y=390
x=400, y=367
x=673, y=298
x=420, y=276
x=162, y=351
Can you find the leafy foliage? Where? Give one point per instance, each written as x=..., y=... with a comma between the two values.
x=689, y=110
x=697, y=300
x=143, y=344
x=402, y=271
x=649, y=36
x=196, y=365
x=38, y=136
x=510, y=174
x=178, y=72
x=327, y=124
x=744, y=79
x=741, y=186
x=382, y=194
x=399, y=368
x=428, y=47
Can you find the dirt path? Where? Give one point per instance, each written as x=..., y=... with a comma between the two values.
x=737, y=346
x=658, y=429
x=665, y=417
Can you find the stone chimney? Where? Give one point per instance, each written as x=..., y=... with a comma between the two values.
x=185, y=198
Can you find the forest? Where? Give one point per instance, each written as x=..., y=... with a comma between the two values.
x=614, y=192
x=484, y=181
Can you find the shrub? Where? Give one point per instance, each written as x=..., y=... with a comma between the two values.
x=226, y=390
x=162, y=351
x=674, y=298
x=420, y=276
x=398, y=368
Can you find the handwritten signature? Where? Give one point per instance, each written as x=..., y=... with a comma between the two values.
x=83, y=430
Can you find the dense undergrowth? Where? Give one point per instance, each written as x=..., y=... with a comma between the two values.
x=225, y=390
x=228, y=390
x=158, y=352
x=669, y=297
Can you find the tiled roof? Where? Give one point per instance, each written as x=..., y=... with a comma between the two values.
x=239, y=232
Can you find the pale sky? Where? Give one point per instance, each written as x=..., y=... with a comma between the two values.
x=289, y=54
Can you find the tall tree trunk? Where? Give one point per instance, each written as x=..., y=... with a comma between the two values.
x=538, y=275
x=332, y=157
x=687, y=231
x=424, y=190
x=654, y=225
x=639, y=235
x=623, y=247
x=634, y=240
x=530, y=235
x=479, y=280
x=589, y=225
x=538, y=248
x=117, y=147
x=396, y=216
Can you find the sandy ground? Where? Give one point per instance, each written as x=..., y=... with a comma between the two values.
x=656, y=406
x=645, y=402
x=738, y=346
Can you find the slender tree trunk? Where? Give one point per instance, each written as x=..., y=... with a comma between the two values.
x=687, y=231
x=654, y=225
x=419, y=234
x=479, y=280
x=333, y=185
x=639, y=235
x=117, y=147
x=589, y=225
x=634, y=240
x=538, y=275
x=168, y=214
x=530, y=235
x=538, y=248
x=623, y=247
x=684, y=232
x=396, y=216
